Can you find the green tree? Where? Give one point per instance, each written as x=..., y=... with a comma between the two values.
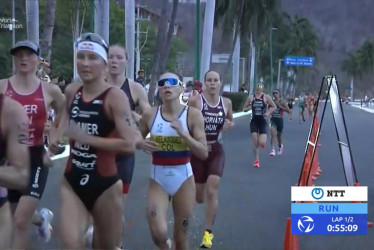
x=251, y=19
x=365, y=56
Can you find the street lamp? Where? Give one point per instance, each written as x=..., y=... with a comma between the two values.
x=271, y=55
x=279, y=69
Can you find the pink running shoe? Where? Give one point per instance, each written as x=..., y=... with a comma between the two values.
x=280, y=152
x=256, y=164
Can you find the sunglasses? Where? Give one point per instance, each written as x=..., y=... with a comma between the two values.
x=169, y=81
x=259, y=86
x=275, y=93
x=92, y=37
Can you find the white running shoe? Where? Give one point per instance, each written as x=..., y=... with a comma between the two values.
x=280, y=152
x=272, y=153
x=89, y=236
x=170, y=243
x=45, y=229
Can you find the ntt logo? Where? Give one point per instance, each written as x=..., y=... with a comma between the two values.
x=317, y=193
x=329, y=193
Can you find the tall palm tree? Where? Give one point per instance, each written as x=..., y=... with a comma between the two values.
x=32, y=18
x=365, y=56
x=353, y=68
x=77, y=21
x=49, y=23
x=160, y=40
x=251, y=19
x=303, y=40
x=166, y=48
x=298, y=38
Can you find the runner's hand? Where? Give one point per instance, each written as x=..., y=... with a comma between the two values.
x=147, y=146
x=74, y=132
x=47, y=161
x=227, y=125
x=176, y=124
x=53, y=146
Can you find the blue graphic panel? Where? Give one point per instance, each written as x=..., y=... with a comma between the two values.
x=328, y=224
x=329, y=208
x=299, y=61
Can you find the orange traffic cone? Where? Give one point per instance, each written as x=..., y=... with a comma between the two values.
x=290, y=240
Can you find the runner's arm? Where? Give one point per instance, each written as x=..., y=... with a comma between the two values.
x=57, y=103
x=248, y=104
x=285, y=107
x=271, y=105
x=16, y=174
x=61, y=127
x=143, y=123
x=142, y=98
x=197, y=139
x=229, y=121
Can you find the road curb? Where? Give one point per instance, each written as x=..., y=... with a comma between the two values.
x=363, y=108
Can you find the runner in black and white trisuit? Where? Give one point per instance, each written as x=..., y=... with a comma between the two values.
x=217, y=113
x=262, y=107
x=100, y=126
x=14, y=161
x=37, y=97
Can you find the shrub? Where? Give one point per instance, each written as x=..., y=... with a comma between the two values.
x=237, y=98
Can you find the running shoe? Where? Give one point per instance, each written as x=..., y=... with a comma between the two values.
x=272, y=153
x=88, y=236
x=207, y=240
x=280, y=152
x=170, y=243
x=45, y=229
x=256, y=164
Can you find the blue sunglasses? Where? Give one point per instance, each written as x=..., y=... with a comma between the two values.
x=170, y=81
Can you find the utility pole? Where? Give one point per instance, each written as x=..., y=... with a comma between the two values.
x=137, y=38
x=271, y=56
x=130, y=36
x=197, y=41
x=206, y=48
x=13, y=33
x=138, y=32
x=101, y=26
x=279, y=69
x=235, y=66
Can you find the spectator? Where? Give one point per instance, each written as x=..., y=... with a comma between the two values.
x=61, y=83
x=140, y=78
x=44, y=70
x=243, y=88
x=198, y=86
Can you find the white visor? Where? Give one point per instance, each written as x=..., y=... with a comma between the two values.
x=93, y=47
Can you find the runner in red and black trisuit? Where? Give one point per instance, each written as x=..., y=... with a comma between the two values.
x=37, y=97
x=100, y=125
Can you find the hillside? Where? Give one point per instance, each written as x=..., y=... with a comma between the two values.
x=342, y=26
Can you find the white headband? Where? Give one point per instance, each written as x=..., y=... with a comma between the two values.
x=93, y=47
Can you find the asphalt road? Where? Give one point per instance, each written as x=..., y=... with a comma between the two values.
x=253, y=203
